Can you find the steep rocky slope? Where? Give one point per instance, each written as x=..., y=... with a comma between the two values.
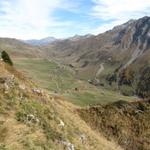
x=30, y=118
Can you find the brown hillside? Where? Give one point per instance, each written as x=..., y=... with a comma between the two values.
x=127, y=123
x=17, y=48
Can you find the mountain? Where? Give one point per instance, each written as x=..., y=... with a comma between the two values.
x=40, y=42
x=17, y=48
x=50, y=40
x=124, y=45
x=116, y=57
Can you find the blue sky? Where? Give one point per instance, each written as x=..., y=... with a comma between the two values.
x=28, y=19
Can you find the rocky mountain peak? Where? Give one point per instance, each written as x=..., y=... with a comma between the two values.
x=134, y=34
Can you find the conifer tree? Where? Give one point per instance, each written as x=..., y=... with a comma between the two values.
x=6, y=58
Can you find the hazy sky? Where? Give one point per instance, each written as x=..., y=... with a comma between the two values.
x=27, y=19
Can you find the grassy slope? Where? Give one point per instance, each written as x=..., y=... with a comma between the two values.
x=54, y=77
x=19, y=133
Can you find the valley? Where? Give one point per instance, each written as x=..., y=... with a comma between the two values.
x=59, y=80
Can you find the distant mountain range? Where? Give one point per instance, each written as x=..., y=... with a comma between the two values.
x=49, y=40
x=40, y=42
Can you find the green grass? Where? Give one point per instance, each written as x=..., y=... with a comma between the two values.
x=48, y=74
x=96, y=96
x=55, y=77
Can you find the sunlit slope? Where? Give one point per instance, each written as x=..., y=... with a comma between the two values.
x=30, y=118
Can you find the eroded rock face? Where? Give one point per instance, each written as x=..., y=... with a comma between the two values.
x=134, y=33
x=133, y=37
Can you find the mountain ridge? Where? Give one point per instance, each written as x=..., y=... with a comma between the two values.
x=17, y=48
x=130, y=41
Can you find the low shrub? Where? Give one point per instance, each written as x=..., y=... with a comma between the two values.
x=127, y=90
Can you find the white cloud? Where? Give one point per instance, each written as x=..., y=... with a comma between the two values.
x=119, y=11
x=25, y=19
x=31, y=18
